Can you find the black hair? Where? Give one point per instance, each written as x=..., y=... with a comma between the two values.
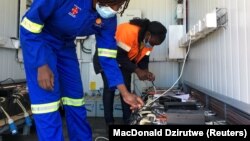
x=116, y=2
x=154, y=27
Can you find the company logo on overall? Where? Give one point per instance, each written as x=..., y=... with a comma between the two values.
x=98, y=22
x=74, y=11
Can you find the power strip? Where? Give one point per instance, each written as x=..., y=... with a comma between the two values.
x=203, y=27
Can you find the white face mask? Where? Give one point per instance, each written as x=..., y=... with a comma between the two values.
x=105, y=11
x=147, y=44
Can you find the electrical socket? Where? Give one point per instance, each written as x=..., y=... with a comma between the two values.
x=209, y=23
x=204, y=26
x=191, y=35
x=197, y=31
x=184, y=40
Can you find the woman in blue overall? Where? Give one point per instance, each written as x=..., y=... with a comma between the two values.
x=47, y=34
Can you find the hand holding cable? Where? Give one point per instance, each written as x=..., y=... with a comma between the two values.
x=150, y=76
x=133, y=100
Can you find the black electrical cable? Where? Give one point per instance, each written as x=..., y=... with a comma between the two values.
x=82, y=43
x=14, y=82
x=84, y=49
x=7, y=80
x=15, y=94
x=16, y=55
x=87, y=52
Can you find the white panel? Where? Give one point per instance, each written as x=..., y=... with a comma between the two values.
x=248, y=46
x=175, y=34
x=220, y=62
x=94, y=78
x=9, y=18
x=229, y=54
x=166, y=73
x=235, y=44
x=84, y=68
x=242, y=49
x=88, y=75
x=9, y=67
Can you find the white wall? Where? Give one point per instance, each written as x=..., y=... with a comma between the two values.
x=221, y=62
x=8, y=18
x=8, y=28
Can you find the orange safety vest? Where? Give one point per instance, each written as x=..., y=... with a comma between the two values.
x=127, y=39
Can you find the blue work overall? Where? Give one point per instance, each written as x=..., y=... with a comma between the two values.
x=47, y=34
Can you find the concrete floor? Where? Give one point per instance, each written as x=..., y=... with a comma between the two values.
x=97, y=124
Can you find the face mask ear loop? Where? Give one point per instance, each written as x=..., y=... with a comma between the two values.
x=149, y=38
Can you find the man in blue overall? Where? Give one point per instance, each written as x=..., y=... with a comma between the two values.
x=47, y=34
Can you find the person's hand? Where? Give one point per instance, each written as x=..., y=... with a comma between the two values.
x=150, y=76
x=45, y=78
x=142, y=74
x=133, y=100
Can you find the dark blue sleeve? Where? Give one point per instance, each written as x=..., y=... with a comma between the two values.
x=143, y=64
x=124, y=61
x=107, y=52
x=32, y=44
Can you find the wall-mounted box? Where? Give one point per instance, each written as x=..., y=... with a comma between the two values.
x=175, y=35
x=209, y=23
x=180, y=11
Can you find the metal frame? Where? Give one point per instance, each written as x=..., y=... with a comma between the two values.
x=244, y=107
